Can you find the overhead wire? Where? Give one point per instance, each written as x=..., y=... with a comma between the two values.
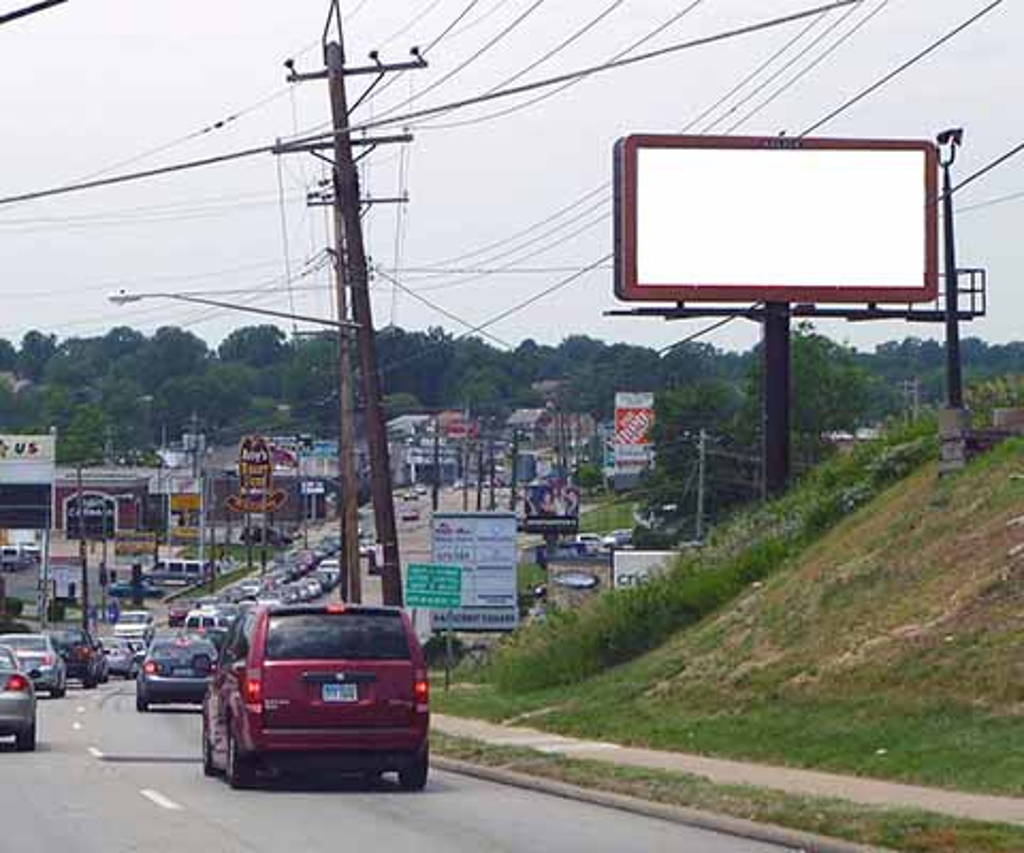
x=874, y=87
x=425, y=51
x=246, y=153
x=603, y=187
x=563, y=45
x=984, y=170
x=570, y=83
x=782, y=69
x=992, y=202
x=901, y=68
x=286, y=250
x=439, y=309
x=483, y=50
x=410, y=24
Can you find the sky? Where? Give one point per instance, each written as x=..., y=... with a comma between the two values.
x=112, y=86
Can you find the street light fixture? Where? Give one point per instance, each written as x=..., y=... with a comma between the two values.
x=123, y=297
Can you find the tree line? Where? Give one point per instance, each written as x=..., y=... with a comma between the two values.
x=123, y=391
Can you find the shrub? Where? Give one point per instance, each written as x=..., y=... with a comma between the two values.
x=56, y=611
x=13, y=607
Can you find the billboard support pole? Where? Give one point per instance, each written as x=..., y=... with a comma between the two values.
x=950, y=140
x=776, y=397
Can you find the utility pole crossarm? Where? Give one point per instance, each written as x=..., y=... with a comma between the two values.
x=358, y=142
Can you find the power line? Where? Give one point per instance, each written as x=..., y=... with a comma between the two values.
x=984, y=170
x=520, y=306
x=440, y=310
x=29, y=10
x=900, y=69
x=669, y=50
x=462, y=66
x=284, y=238
x=604, y=186
x=992, y=202
x=430, y=7
x=245, y=153
x=616, y=57
x=753, y=75
x=838, y=22
x=700, y=333
x=550, y=54
x=442, y=36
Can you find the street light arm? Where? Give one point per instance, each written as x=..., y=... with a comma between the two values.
x=123, y=297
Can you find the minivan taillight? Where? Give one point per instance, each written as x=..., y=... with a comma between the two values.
x=17, y=683
x=252, y=689
x=421, y=692
x=151, y=667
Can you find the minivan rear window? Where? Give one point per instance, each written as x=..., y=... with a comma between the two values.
x=337, y=636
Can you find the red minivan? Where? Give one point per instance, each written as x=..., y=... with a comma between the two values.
x=318, y=689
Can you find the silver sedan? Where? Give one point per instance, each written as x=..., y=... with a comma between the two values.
x=17, y=703
x=37, y=655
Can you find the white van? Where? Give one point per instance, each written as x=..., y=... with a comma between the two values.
x=201, y=620
x=178, y=572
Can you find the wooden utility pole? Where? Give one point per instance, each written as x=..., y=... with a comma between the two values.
x=83, y=554
x=348, y=217
x=352, y=272
x=479, y=473
x=436, y=483
x=492, y=503
x=513, y=492
x=349, y=505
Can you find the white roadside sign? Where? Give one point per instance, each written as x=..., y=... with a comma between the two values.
x=485, y=546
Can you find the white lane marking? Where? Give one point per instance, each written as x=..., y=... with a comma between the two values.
x=76, y=726
x=95, y=753
x=80, y=709
x=159, y=799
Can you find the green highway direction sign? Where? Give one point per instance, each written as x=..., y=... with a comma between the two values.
x=433, y=586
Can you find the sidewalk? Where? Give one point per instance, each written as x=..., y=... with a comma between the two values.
x=808, y=783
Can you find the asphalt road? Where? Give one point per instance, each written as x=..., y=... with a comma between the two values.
x=107, y=779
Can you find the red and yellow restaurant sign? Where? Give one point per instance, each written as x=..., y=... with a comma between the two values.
x=256, y=492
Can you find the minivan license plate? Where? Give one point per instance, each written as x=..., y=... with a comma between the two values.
x=340, y=693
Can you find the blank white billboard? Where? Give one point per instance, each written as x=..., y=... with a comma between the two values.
x=825, y=223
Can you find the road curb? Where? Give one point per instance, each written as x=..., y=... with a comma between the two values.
x=746, y=829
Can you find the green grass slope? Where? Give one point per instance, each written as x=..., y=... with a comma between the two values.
x=891, y=646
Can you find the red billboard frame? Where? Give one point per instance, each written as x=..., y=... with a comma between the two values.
x=629, y=289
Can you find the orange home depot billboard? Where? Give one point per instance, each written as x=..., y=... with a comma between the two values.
x=634, y=421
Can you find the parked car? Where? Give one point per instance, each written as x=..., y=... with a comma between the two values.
x=120, y=655
x=135, y=625
x=409, y=514
x=36, y=654
x=17, y=702
x=81, y=654
x=175, y=670
x=319, y=688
